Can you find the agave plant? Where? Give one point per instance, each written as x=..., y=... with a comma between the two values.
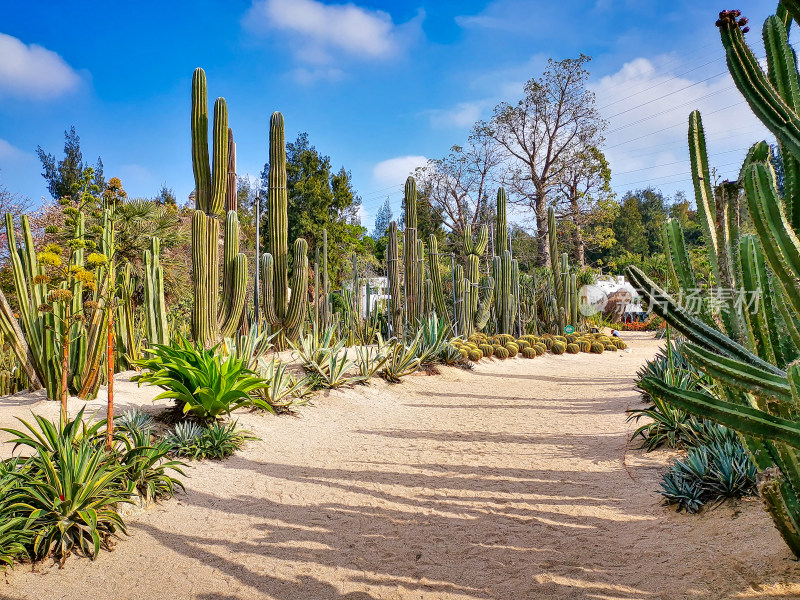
x=15, y=534
x=314, y=349
x=250, y=347
x=403, y=360
x=282, y=389
x=370, y=358
x=433, y=339
x=134, y=420
x=146, y=467
x=50, y=437
x=216, y=441
x=202, y=382
x=69, y=498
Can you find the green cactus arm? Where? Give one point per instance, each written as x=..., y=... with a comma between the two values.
x=235, y=297
x=760, y=325
x=753, y=84
x=739, y=374
x=200, y=157
x=299, y=300
x=411, y=253
x=778, y=240
x=744, y=419
x=267, y=289
x=13, y=335
x=205, y=279
x=704, y=196
x=434, y=270
x=277, y=217
x=466, y=237
x=219, y=168
x=555, y=265
x=501, y=235
x=393, y=273
x=790, y=322
x=783, y=508
x=793, y=377
x=481, y=241
x=693, y=329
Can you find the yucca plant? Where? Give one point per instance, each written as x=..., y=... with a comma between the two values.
x=282, y=390
x=315, y=348
x=69, y=498
x=403, y=360
x=202, y=382
x=333, y=373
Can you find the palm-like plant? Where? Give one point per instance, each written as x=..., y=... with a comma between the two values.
x=203, y=383
x=69, y=498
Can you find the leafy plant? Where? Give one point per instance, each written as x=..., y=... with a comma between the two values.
x=370, y=358
x=328, y=361
x=51, y=437
x=135, y=420
x=69, y=498
x=668, y=425
x=202, y=382
x=251, y=347
x=282, y=389
x=216, y=441
x=709, y=473
x=433, y=339
x=403, y=360
x=146, y=467
x=14, y=532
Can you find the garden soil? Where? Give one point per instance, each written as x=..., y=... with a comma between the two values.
x=512, y=481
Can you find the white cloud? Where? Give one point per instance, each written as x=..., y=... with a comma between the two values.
x=461, y=116
x=648, y=107
x=320, y=32
x=394, y=171
x=33, y=72
x=9, y=152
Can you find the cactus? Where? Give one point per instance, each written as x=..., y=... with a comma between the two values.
x=475, y=355
x=393, y=275
x=501, y=352
x=231, y=181
x=501, y=233
x=413, y=298
x=503, y=268
x=210, y=321
x=155, y=311
x=434, y=271
x=759, y=391
x=284, y=314
x=528, y=352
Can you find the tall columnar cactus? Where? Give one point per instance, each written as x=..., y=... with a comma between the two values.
x=156, y=327
x=413, y=291
x=473, y=250
x=231, y=181
x=501, y=224
x=434, y=271
x=759, y=385
x=212, y=321
x=393, y=274
x=284, y=313
x=503, y=268
x=326, y=288
x=557, y=267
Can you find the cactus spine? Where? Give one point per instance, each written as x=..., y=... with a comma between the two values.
x=285, y=314
x=211, y=322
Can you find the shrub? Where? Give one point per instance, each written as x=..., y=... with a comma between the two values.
x=709, y=473
x=69, y=498
x=216, y=441
x=145, y=467
x=203, y=383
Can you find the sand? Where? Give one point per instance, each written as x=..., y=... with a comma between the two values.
x=512, y=481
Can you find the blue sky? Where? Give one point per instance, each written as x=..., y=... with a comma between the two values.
x=379, y=86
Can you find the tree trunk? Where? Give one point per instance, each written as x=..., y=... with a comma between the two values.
x=110, y=365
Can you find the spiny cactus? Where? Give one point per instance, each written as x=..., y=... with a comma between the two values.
x=393, y=274
x=413, y=284
x=210, y=320
x=155, y=312
x=434, y=271
x=285, y=314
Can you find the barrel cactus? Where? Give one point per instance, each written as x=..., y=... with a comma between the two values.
x=573, y=348
x=500, y=352
x=558, y=347
x=512, y=348
x=529, y=352
x=475, y=355
x=597, y=348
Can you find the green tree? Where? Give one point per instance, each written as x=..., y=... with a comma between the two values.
x=65, y=176
x=382, y=220
x=629, y=227
x=319, y=199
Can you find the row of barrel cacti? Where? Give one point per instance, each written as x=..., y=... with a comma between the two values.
x=479, y=345
x=750, y=344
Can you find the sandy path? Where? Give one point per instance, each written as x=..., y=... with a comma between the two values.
x=512, y=481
